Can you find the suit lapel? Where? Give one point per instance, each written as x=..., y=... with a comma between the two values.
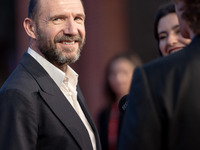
x=89, y=118
x=57, y=102
x=67, y=115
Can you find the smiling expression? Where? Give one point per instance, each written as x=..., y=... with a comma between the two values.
x=60, y=30
x=170, y=38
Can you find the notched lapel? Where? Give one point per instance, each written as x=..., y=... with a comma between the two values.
x=67, y=115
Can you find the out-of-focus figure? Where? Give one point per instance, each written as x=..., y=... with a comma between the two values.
x=118, y=79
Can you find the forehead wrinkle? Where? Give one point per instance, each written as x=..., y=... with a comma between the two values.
x=64, y=7
x=51, y=8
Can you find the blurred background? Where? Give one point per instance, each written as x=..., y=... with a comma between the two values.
x=112, y=26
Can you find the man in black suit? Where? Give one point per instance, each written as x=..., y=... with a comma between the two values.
x=164, y=103
x=41, y=105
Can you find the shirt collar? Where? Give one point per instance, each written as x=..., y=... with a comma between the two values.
x=56, y=74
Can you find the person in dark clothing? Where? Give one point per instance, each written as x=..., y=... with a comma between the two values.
x=164, y=100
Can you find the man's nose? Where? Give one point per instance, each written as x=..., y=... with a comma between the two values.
x=70, y=27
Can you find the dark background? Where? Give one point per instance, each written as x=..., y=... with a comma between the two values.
x=112, y=26
x=7, y=39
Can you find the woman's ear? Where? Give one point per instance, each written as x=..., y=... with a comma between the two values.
x=29, y=27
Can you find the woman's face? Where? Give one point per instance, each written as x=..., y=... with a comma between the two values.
x=170, y=38
x=120, y=76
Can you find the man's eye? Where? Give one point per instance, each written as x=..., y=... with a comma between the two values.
x=79, y=19
x=57, y=20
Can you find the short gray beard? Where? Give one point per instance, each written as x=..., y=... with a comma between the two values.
x=60, y=59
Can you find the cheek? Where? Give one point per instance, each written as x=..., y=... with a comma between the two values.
x=82, y=31
x=162, y=46
x=184, y=41
x=52, y=32
x=47, y=34
x=113, y=81
x=129, y=78
x=83, y=36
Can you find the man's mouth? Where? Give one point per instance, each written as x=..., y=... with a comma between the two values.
x=68, y=42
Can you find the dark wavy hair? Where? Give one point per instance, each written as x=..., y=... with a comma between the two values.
x=191, y=13
x=162, y=12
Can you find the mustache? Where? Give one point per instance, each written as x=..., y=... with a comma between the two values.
x=76, y=38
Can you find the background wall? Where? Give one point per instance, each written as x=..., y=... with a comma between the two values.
x=142, y=21
x=112, y=26
x=7, y=39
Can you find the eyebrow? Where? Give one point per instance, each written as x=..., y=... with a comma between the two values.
x=173, y=28
x=63, y=16
x=81, y=15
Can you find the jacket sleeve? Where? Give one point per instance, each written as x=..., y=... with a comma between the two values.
x=18, y=125
x=141, y=128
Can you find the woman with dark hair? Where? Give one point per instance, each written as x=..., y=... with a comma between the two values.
x=163, y=112
x=118, y=76
x=167, y=30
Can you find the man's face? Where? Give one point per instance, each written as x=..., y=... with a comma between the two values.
x=60, y=30
x=180, y=8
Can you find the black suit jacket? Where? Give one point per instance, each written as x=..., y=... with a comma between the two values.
x=35, y=115
x=164, y=104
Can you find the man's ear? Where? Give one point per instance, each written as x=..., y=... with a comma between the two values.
x=30, y=28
